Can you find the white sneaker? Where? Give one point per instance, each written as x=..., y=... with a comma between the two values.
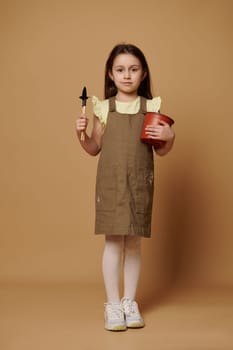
x=132, y=315
x=114, y=317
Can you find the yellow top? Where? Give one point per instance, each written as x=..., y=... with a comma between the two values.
x=101, y=108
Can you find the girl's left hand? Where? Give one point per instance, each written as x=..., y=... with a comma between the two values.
x=161, y=131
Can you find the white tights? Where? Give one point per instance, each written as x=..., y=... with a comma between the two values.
x=116, y=248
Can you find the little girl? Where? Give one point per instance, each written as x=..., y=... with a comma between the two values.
x=125, y=176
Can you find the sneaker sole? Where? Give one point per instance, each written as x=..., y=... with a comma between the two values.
x=135, y=325
x=117, y=328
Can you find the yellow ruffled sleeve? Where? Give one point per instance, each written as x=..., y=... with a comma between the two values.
x=154, y=104
x=100, y=109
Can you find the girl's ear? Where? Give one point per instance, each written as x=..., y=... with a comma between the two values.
x=110, y=75
x=144, y=75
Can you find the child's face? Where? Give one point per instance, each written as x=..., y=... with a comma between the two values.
x=127, y=74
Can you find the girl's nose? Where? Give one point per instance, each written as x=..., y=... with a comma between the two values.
x=127, y=75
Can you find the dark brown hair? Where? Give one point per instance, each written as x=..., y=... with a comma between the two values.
x=109, y=86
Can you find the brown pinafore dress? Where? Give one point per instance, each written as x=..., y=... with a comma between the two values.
x=125, y=176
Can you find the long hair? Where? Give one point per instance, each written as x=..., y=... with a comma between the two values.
x=109, y=86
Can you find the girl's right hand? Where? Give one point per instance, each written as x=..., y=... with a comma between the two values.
x=81, y=123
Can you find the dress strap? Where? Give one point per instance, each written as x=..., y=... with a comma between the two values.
x=112, y=104
x=143, y=108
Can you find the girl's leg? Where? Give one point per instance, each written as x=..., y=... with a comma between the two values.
x=132, y=265
x=111, y=265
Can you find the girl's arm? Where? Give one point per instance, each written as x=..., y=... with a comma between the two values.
x=166, y=147
x=91, y=144
x=164, y=132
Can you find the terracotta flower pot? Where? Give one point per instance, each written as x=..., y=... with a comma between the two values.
x=153, y=118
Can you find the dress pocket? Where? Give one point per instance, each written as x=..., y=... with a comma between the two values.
x=144, y=191
x=105, y=197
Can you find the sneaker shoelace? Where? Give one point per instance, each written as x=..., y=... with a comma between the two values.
x=114, y=311
x=130, y=307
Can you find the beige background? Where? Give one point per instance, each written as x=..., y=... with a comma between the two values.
x=49, y=51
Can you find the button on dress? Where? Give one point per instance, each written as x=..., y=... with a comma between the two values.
x=125, y=176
